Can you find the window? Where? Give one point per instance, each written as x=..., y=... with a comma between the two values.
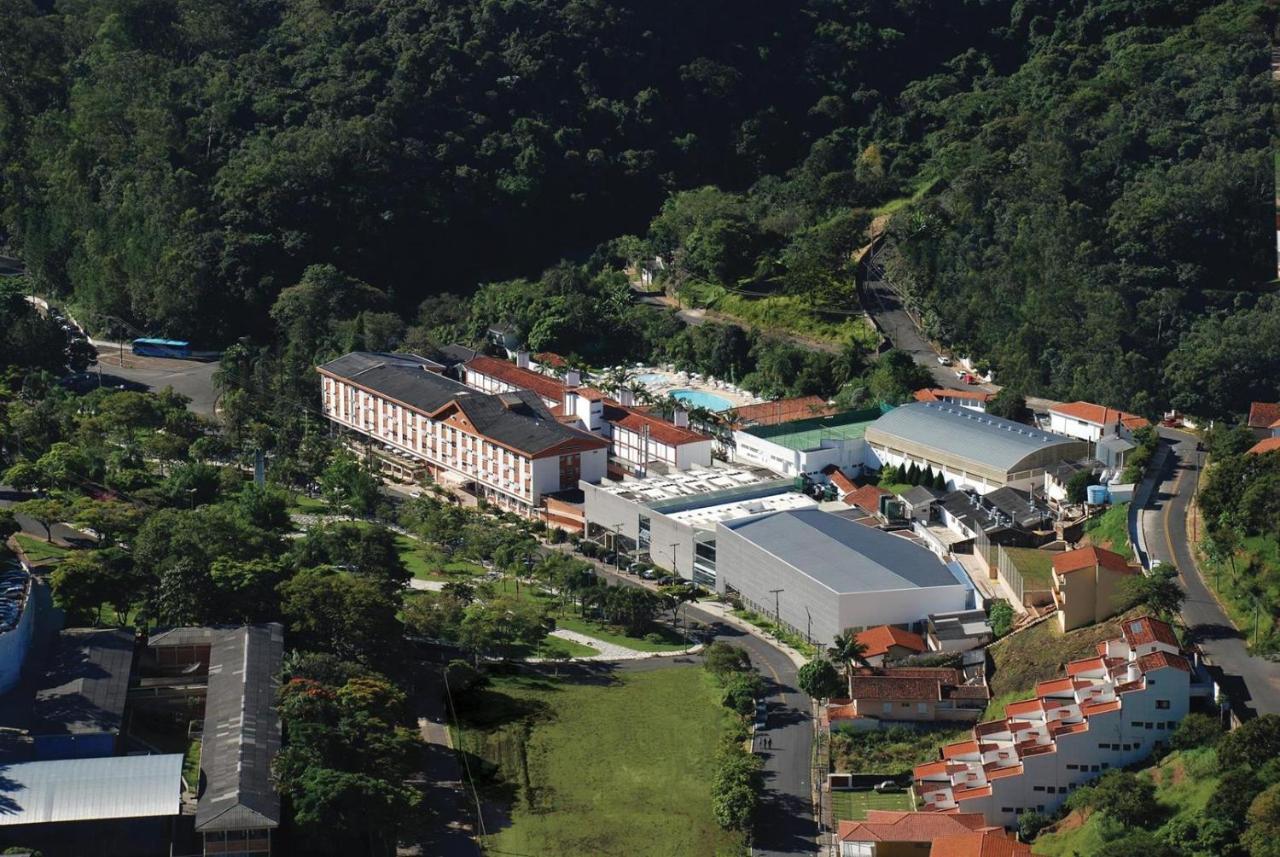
x=922, y=707
x=1162, y=705
x=1136, y=724
x=1073, y=767
x=1037, y=788
x=1006, y=809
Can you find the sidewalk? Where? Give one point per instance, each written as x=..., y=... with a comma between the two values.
x=724, y=613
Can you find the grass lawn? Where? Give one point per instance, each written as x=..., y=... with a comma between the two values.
x=1185, y=783
x=896, y=487
x=425, y=562
x=38, y=551
x=781, y=312
x=853, y=806
x=310, y=505
x=558, y=647
x=892, y=751
x=1040, y=654
x=1110, y=529
x=1035, y=566
x=670, y=641
x=621, y=769
x=1257, y=565
x=191, y=764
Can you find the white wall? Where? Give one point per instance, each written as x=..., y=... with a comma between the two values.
x=900, y=607
x=844, y=454
x=1063, y=424
x=696, y=453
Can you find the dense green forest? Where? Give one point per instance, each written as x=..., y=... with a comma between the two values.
x=1081, y=191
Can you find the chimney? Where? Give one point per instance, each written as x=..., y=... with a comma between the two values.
x=626, y=398
x=522, y=359
x=680, y=418
x=572, y=378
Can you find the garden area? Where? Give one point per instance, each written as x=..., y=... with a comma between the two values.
x=1035, y=566
x=1110, y=530
x=891, y=751
x=625, y=760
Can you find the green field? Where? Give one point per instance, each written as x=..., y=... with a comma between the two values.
x=425, y=562
x=853, y=806
x=670, y=642
x=600, y=769
x=38, y=551
x=557, y=647
x=1185, y=783
x=309, y=505
x=1111, y=529
x=191, y=764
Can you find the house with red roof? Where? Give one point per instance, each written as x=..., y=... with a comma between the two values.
x=889, y=642
x=918, y=694
x=979, y=843
x=1264, y=419
x=886, y=833
x=1087, y=421
x=975, y=400
x=1088, y=585
x=1262, y=447
x=1108, y=711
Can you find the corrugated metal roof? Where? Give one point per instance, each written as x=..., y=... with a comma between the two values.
x=843, y=555
x=241, y=731
x=90, y=789
x=968, y=435
x=85, y=690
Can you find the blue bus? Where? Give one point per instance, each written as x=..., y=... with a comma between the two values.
x=162, y=347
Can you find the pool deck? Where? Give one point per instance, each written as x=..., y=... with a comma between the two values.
x=671, y=381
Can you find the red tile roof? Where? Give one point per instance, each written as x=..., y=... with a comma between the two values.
x=867, y=497
x=1264, y=414
x=1147, y=629
x=784, y=411
x=659, y=429
x=1085, y=665
x=545, y=386
x=550, y=358
x=881, y=639
x=1099, y=707
x=984, y=843
x=1090, y=556
x=1159, y=660
x=1025, y=706
x=937, y=394
x=959, y=748
x=885, y=826
x=1099, y=414
x=1267, y=444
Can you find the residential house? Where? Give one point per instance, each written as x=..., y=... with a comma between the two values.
x=1262, y=447
x=866, y=497
x=973, y=399
x=979, y=843
x=889, y=642
x=1088, y=585
x=922, y=694
x=1108, y=711
x=885, y=833
x=79, y=709
x=1087, y=421
x=918, y=502
x=506, y=447
x=1264, y=419
x=1056, y=479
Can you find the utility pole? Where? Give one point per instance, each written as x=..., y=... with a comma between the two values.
x=675, y=568
x=777, y=609
x=808, y=634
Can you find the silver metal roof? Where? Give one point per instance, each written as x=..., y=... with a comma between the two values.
x=90, y=789
x=843, y=555
x=241, y=731
x=967, y=435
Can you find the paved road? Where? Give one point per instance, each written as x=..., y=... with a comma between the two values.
x=1252, y=683
x=62, y=534
x=191, y=378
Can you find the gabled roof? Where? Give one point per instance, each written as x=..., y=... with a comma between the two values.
x=660, y=430
x=521, y=421
x=917, y=684
x=939, y=394
x=1267, y=444
x=1162, y=659
x=241, y=731
x=1264, y=414
x=1146, y=629
x=880, y=639
x=887, y=826
x=1089, y=557
x=85, y=689
x=984, y=843
x=867, y=497
x=545, y=386
x=401, y=377
x=1099, y=415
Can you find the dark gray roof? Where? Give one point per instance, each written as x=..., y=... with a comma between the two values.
x=199, y=636
x=843, y=555
x=1004, y=508
x=85, y=689
x=1017, y=505
x=1116, y=443
x=452, y=355
x=967, y=434
x=919, y=495
x=403, y=377
x=241, y=731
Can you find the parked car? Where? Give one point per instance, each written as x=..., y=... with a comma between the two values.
x=887, y=787
x=648, y=574
x=944, y=360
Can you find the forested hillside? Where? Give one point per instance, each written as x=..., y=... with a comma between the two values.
x=1081, y=191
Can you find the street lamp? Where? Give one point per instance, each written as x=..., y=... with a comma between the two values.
x=777, y=609
x=674, y=566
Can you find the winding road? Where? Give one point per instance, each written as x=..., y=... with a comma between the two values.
x=1252, y=684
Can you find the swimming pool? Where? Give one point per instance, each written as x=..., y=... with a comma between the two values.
x=701, y=399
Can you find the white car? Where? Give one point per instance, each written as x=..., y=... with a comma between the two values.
x=944, y=360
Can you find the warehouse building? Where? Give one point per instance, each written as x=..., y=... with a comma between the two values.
x=821, y=573
x=806, y=446
x=973, y=450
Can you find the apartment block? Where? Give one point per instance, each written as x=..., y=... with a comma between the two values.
x=1109, y=711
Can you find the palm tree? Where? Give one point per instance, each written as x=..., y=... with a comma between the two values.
x=848, y=648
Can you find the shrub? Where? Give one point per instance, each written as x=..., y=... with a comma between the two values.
x=1255, y=740
x=722, y=659
x=1000, y=614
x=1030, y=824
x=1195, y=730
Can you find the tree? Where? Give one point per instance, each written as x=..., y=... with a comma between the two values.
x=113, y=520
x=1129, y=799
x=741, y=691
x=1251, y=743
x=1009, y=403
x=1196, y=730
x=246, y=590
x=1235, y=792
x=45, y=511
x=342, y=613
x=1030, y=824
x=632, y=608
x=1262, y=835
x=848, y=648
x=722, y=659
x=81, y=583
x=264, y=507
x=348, y=484
x=1078, y=484
x=502, y=626
x=1157, y=591
x=1000, y=615
x=820, y=680
x=8, y=525
x=185, y=594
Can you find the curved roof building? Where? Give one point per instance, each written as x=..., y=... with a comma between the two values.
x=971, y=448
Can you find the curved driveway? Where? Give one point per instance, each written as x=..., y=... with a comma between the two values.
x=1253, y=684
